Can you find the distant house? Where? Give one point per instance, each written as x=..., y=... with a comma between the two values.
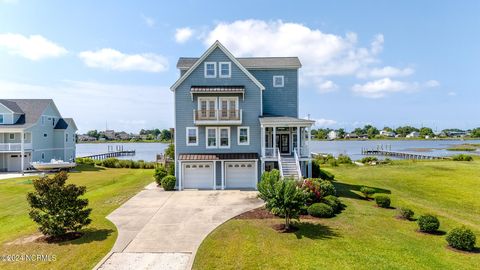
x=386, y=133
x=33, y=130
x=351, y=136
x=86, y=138
x=110, y=134
x=332, y=135
x=122, y=136
x=413, y=134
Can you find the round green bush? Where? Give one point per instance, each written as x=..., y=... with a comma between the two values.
x=168, y=182
x=406, y=213
x=334, y=202
x=382, y=201
x=461, y=238
x=367, y=191
x=321, y=210
x=160, y=173
x=428, y=223
x=462, y=157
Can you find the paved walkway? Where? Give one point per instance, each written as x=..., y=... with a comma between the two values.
x=163, y=230
x=9, y=175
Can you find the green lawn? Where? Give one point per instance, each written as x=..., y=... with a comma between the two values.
x=107, y=189
x=362, y=236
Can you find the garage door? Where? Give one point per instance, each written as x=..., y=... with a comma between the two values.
x=15, y=164
x=240, y=175
x=198, y=175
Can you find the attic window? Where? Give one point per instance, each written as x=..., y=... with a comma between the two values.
x=210, y=69
x=225, y=69
x=278, y=81
x=1, y=118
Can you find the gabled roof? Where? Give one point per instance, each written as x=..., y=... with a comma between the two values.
x=185, y=63
x=216, y=45
x=12, y=106
x=31, y=109
x=61, y=124
x=71, y=123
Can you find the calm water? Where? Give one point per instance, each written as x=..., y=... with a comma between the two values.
x=148, y=151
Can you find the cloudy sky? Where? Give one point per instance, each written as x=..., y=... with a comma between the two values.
x=112, y=62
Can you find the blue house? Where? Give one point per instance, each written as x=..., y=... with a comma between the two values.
x=237, y=117
x=33, y=130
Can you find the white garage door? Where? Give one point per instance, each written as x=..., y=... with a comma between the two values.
x=198, y=175
x=240, y=175
x=14, y=162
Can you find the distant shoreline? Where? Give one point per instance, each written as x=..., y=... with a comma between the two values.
x=126, y=141
x=402, y=139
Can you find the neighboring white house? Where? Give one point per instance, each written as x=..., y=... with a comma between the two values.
x=332, y=135
x=387, y=133
x=413, y=134
x=33, y=130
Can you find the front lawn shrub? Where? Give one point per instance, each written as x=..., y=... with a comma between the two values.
x=56, y=207
x=344, y=159
x=334, y=202
x=168, y=182
x=462, y=157
x=367, y=192
x=428, y=223
x=369, y=160
x=461, y=238
x=160, y=173
x=85, y=161
x=406, y=213
x=316, y=189
x=110, y=162
x=273, y=175
x=171, y=168
x=382, y=201
x=322, y=159
x=321, y=210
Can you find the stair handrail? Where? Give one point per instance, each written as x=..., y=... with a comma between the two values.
x=297, y=163
x=279, y=160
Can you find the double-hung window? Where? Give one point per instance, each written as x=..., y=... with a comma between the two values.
x=229, y=108
x=224, y=137
x=243, y=136
x=278, y=81
x=225, y=69
x=210, y=69
x=192, y=136
x=211, y=135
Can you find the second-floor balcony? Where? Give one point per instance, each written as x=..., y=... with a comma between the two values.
x=14, y=147
x=214, y=117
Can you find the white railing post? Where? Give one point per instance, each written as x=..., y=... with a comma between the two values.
x=279, y=160
x=297, y=164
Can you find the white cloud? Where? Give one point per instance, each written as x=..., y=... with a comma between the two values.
x=108, y=58
x=182, y=35
x=383, y=72
x=149, y=21
x=34, y=47
x=91, y=104
x=327, y=86
x=385, y=86
x=324, y=122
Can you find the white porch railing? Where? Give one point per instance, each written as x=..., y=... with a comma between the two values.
x=15, y=146
x=270, y=152
x=304, y=152
x=279, y=159
x=297, y=164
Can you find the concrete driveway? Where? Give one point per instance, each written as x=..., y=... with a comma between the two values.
x=163, y=230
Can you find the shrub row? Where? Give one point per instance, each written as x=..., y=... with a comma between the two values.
x=462, y=157
x=117, y=163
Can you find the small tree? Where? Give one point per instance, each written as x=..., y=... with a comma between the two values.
x=56, y=206
x=282, y=197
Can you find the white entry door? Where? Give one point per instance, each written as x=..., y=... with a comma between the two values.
x=240, y=174
x=198, y=175
x=14, y=162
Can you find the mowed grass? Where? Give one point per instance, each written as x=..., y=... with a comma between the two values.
x=107, y=189
x=363, y=236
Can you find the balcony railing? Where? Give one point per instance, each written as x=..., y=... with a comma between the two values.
x=15, y=146
x=303, y=152
x=217, y=116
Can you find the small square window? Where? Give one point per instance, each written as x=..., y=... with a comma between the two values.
x=45, y=135
x=12, y=136
x=210, y=70
x=278, y=81
x=225, y=69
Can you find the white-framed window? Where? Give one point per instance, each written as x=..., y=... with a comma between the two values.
x=66, y=137
x=224, y=135
x=207, y=107
x=211, y=137
x=210, y=69
x=243, y=136
x=192, y=136
x=225, y=69
x=43, y=156
x=1, y=118
x=11, y=136
x=278, y=81
x=228, y=108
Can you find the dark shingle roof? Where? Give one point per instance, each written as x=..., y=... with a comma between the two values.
x=61, y=124
x=225, y=156
x=11, y=106
x=251, y=62
x=31, y=109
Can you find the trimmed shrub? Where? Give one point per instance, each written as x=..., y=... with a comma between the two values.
x=316, y=189
x=344, y=159
x=168, y=182
x=428, y=223
x=85, y=161
x=462, y=157
x=383, y=201
x=160, y=173
x=321, y=210
x=368, y=160
x=325, y=175
x=171, y=169
x=273, y=175
x=367, y=192
x=109, y=162
x=334, y=202
x=406, y=213
x=461, y=238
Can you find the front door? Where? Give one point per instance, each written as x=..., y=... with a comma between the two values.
x=283, y=143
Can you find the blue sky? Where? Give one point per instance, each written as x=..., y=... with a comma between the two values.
x=378, y=62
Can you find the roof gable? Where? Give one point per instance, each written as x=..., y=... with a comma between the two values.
x=184, y=63
x=11, y=106
x=212, y=48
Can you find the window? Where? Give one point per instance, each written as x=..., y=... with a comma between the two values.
x=207, y=107
x=224, y=137
x=45, y=135
x=1, y=118
x=53, y=121
x=192, y=136
x=12, y=136
x=229, y=108
x=278, y=81
x=43, y=156
x=210, y=70
x=225, y=69
x=43, y=119
x=66, y=137
x=243, y=135
x=211, y=137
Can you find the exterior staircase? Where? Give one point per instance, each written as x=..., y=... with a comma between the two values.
x=289, y=167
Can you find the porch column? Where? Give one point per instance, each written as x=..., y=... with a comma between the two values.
x=222, y=163
x=22, y=152
x=298, y=142
x=309, y=139
x=310, y=168
x=214, y=175
x=262, y=139
x=274, y=141
x=180, y=172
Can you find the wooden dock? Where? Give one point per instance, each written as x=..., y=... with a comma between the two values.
x=114, y=154
x=403, y=155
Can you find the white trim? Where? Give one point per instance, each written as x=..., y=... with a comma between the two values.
x=220, y=69
x=187, y=136
x=222, y=163
x=207, y=99
x=215, y=45
x=219, y=132
x=279, y=85
x=214, y=69
x=220, y=99
x=248, y=135
x=52, y=149
x=214, y=175
x=206, y=138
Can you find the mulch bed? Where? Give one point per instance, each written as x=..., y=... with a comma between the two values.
x=431, y=233
x=474, y=251
x=59, y=239
x=262, y=213
x=281, y=228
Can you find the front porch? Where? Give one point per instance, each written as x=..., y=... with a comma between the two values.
x=15, y=151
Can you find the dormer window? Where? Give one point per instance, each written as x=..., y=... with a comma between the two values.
x=210, y=69
x=225, y=69
x=278, y=81
x=1, y=118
